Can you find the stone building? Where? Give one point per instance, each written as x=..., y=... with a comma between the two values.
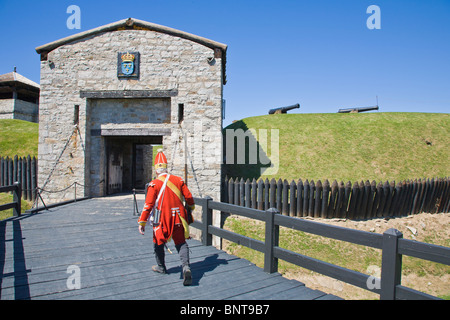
x=19, y=97
x=108, y=95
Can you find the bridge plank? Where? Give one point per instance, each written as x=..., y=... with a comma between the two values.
x=100, y=237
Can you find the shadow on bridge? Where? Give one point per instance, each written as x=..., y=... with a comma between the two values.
x=19, y=269
x=199, y=268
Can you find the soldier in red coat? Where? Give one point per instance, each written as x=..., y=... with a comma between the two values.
x=165, y=210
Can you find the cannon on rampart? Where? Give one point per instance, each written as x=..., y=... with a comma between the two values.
x=358, y=110
x=284, y=109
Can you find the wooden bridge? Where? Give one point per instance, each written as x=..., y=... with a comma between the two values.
x=91, y=249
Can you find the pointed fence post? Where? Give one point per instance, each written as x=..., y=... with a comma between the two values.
x=260, y=194
x=391, y=264
x=292, y=199
x=254, y=192
x=33, y=182
x=271, y=241
x=231, y=191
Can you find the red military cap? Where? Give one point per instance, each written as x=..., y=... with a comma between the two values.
x=160, y=160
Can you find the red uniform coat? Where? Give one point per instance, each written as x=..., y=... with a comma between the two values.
x=172, y=205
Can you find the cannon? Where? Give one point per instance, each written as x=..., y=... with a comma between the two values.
x=284, y=109
x=357, y=110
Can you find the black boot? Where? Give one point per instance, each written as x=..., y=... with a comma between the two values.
x=183, y=251
x=187, y=276
x=160, y=257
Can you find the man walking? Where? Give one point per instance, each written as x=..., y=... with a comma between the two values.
x=165, y=197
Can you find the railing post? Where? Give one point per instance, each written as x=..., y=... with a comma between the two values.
x=135, y=207
x=17, y=199
x=391, y=264
x=271, y=241
x=206, y=222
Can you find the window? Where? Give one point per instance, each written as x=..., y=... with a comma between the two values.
x=180, y=112
x=76, y=114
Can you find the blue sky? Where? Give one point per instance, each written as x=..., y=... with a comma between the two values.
x=317, y=53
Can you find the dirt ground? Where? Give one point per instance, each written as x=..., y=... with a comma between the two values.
x=424, y=227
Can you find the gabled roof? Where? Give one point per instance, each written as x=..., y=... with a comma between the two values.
x=220, y=49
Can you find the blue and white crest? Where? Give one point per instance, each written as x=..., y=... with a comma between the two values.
x=128, y=65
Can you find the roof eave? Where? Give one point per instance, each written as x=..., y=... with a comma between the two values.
x=130, y=23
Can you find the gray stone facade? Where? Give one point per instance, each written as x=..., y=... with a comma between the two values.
x=91, y=120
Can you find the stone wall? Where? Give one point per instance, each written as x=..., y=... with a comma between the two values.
x=24, y=110
x=6, y=109
x=18, y=109
x=167, y=63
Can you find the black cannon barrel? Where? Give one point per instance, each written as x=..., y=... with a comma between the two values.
x=360, y=109
x=284, y=109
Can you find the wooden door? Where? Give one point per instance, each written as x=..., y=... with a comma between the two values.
x=115, y=170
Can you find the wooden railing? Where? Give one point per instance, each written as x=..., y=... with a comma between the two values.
x=16, y=205
x=391, y=243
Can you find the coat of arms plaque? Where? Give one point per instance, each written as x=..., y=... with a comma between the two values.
x=128, y=65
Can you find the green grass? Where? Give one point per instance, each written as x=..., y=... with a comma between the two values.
x=8, y=198
x=18, y=137
x=351, y=256
x=354, y=147
x=340, y=253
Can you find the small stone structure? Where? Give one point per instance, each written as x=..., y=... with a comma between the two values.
x=109, y=94
x=19, y=97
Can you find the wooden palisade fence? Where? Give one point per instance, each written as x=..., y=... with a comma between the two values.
x=338, y=200
x=21, y=170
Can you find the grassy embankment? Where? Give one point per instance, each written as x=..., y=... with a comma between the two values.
x=354, y=147
x=350, y=147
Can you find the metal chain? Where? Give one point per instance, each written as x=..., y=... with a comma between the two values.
x=60, y=155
